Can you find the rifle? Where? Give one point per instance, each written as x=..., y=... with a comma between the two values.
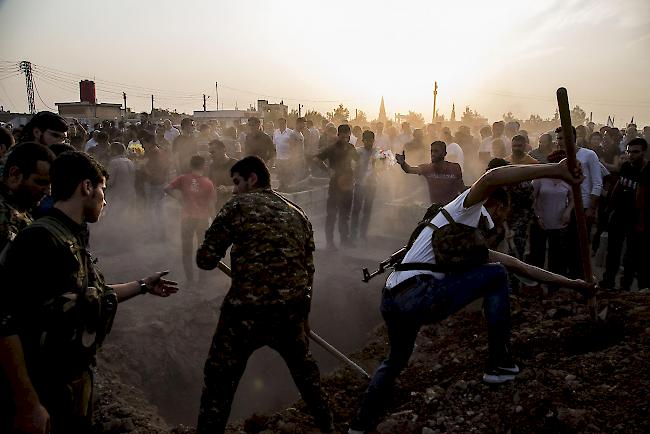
x=389, y=262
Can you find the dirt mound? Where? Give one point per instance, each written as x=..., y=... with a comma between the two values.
x=577, y=376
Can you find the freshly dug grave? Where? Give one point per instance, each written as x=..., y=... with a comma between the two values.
x=577, y=376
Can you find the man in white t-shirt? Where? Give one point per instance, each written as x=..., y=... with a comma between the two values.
x=455, y=153
x=282, y=139
x=423, y=293
x=170, y=132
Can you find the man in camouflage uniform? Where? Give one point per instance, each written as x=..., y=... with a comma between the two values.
x=53, y=320
x=269, y=300
x=24, y=183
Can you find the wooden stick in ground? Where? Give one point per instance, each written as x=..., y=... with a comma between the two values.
x=314, y=337
x=581, y=221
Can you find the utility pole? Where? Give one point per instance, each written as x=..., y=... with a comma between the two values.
x=299, y=110
x=216, y=86
x=151, y=105
x=435, y=96
x=124, y=96
x=204, y=109
x=26, y=67
x=356, y=114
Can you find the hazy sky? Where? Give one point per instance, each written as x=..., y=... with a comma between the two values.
x=495, y=56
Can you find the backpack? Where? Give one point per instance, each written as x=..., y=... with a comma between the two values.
x=457, y=246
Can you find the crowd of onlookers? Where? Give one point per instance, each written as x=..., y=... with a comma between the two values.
x=148, y=160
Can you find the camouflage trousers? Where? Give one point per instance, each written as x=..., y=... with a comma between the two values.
x=236, y=338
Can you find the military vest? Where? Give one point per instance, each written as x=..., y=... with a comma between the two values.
x=75, y=323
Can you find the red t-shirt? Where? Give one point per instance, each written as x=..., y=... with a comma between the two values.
x=198, y=194
x=445, y=182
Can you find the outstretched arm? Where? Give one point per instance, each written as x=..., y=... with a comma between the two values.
x=516, y=266
x=401, y=160
x=486, y=184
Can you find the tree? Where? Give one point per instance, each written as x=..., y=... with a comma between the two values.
x=316, y=117
x=415, y=119
x=510, y=117
x=472, y=118
x=361, y=118
x=339, y=115
x=578, y=116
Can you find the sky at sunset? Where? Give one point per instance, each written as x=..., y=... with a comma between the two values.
x=494, y=56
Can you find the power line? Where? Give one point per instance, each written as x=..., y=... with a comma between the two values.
x=39, y=97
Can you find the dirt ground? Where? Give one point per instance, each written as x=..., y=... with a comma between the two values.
x=577, y=375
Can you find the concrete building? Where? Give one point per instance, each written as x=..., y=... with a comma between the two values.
x=272, y=111
x=226, y=117
x=87, y=110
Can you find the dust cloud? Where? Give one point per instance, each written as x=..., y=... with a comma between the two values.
x=160, y=345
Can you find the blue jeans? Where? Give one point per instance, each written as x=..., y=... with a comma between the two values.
x=426, y=300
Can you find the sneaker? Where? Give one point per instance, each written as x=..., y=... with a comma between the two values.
x=500, y=375
x=495, y=376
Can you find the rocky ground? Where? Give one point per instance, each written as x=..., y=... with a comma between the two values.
x=577, y=376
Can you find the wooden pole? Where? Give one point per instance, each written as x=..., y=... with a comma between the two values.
x=581, y=222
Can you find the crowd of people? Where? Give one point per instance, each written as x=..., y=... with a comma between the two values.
x=491, y=182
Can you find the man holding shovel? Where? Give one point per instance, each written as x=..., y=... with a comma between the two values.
x=269, y=299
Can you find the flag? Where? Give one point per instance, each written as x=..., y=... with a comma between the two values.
x=610, y=122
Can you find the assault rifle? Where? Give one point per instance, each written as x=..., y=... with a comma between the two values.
x=389, y=262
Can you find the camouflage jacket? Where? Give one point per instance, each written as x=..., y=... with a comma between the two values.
x=272, y=250
x=12, y=219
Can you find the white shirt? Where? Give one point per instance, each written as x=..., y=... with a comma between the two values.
x=282, y=142
x=455, y=154
x=422, y=249
x=311, y=141
x=90, y=144
x=171, y=134
x=486, y=145
x=593, y=182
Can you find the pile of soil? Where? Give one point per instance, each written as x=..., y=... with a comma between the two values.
x=577, y=376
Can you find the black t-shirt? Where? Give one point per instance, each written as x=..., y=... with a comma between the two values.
x=339, y=157
x=220, y=172
x=629, y=180
x=261, y=145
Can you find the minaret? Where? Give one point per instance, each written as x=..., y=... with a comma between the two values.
x=453, y=112
x=382, y=112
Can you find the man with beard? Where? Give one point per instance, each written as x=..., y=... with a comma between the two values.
x=519, y=155
x=444, y=179
x=271, y=251
x=339, y=158
x=259, y=143
x=53, y=321
x=25, y=182
x=46, y=128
